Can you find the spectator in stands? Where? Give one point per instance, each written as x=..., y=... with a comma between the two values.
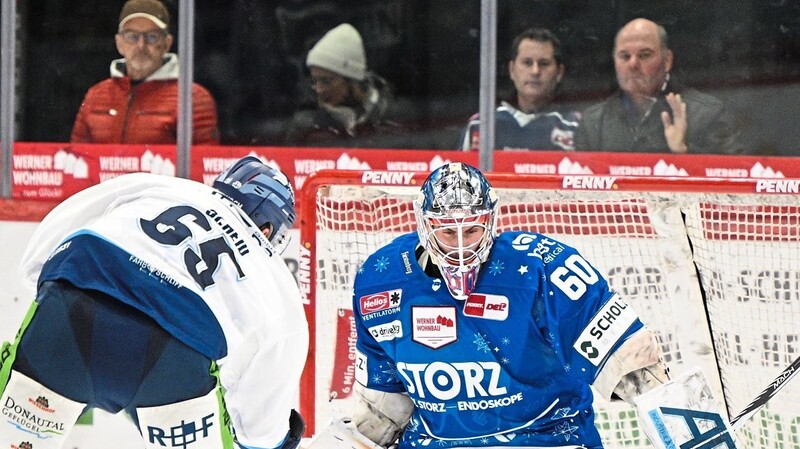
x=139, y=102
x=351, y=102
x=651, y=112
x=531, y=119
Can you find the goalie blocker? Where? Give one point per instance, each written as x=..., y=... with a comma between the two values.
x=683, y=414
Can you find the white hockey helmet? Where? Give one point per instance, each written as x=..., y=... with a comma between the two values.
x=456, y=212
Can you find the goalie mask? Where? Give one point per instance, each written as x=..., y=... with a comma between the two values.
x=456, y=222
x=264, y=194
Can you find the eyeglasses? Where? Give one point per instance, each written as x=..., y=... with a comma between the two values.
x=150, y=38
x=322, y=81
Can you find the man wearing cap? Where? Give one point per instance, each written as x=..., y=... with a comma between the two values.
x=351, y=102
x=138, y=104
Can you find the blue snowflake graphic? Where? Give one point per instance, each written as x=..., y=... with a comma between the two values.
x=506, y=341
x=382, y=264
x=390, y=372
x=496, y=267
x=505, y=361
x=481, y=343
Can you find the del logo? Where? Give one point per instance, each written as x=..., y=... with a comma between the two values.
x=380, y=301
x=490, y=307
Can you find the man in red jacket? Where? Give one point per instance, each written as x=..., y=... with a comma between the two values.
x=139, y=103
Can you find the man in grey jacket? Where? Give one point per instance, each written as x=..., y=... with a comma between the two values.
x=650, y=113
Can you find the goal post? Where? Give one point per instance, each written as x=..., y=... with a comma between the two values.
x=712, y=265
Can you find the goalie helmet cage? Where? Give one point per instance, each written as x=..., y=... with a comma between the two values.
x=711, y=265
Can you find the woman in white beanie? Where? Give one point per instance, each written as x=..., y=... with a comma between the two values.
x=351, y=101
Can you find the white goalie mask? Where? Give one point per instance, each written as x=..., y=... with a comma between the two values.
x=456, y=212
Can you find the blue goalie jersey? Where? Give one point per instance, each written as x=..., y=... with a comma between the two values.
x=509, y=366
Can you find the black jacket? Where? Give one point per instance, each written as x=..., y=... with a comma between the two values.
x=612, y=126
x=346, y=126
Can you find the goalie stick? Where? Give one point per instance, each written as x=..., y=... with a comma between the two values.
x=684, y=414
x=766, y=394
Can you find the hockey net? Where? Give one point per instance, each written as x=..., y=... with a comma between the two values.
x=711, y=265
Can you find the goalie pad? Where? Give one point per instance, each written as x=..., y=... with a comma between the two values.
x=683, y=413
x=342, y=434
x=381, y=416
x=634, y=368
x=32, y=412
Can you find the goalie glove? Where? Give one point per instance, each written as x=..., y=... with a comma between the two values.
x=381, y=416
x=297, y=427
x=641, y=381
x=342, y=434
x=633, y=369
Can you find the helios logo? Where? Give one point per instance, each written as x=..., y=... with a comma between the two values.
x=380, y=301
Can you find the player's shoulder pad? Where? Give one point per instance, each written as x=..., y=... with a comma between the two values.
x=392, y=263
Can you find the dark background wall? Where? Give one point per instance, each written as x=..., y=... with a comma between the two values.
x=250, y=54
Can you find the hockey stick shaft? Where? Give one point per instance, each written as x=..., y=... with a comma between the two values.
x=766, y=394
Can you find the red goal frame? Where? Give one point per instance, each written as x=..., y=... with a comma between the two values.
x=317, y=180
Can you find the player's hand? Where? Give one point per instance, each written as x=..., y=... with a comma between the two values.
x=675, y=126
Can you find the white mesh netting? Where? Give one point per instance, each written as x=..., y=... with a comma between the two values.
x=717, y=276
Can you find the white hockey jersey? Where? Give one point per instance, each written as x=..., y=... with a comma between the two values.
x=183, y=254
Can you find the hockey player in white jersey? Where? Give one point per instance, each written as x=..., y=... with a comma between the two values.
x=471, y=339
x=167, y=299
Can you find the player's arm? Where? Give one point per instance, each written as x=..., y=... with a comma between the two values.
x=613, y=350
x=261, y=380
x=634, y=368
x=382, y=409
x=297, y=427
